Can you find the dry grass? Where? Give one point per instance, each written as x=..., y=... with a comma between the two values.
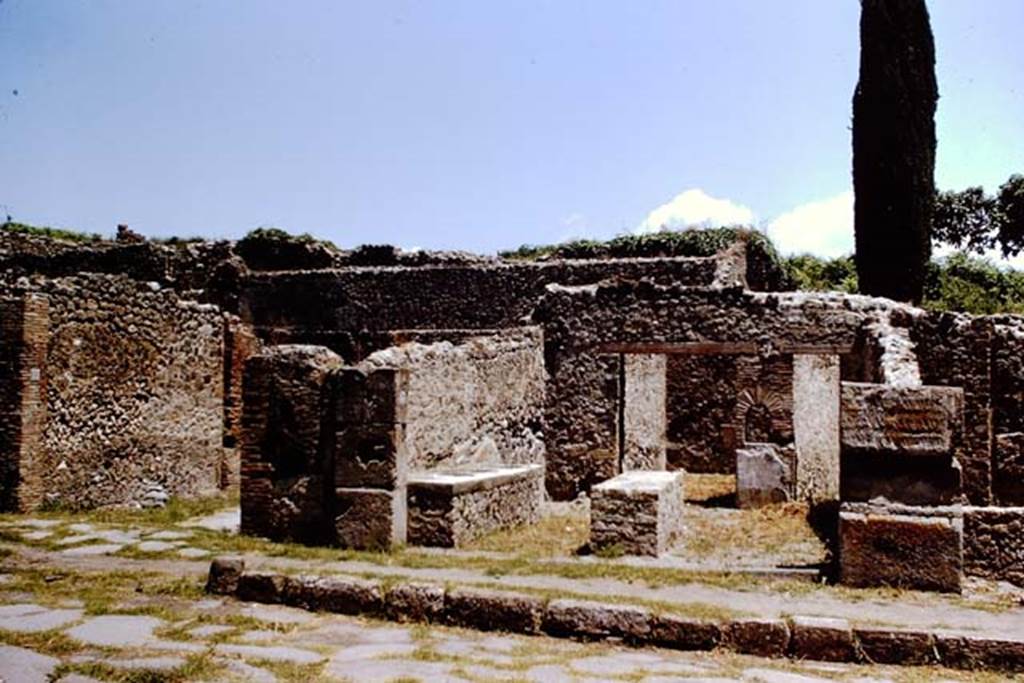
x=554, y=536
x=705, y=488
x=765, y=536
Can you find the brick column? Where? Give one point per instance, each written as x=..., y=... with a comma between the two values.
x=24, y=334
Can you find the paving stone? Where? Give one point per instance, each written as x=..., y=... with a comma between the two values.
x=77, y=538
x=226, y=520
x=36, y=535
x=31, y=618
x=193, y=553
x=148, y=663
x=116, y=630
x=388, y=670
x=81, y=528
x=247, y=672
x=277, y=615
x=18, y=665
x=260, y=636
x=90, y=550
x=357, y=653
x=207, y=630
x=118, y=536
x=777, y=676
x=273, y=653
x=78, y=678
x=39, y=523
x=168, y=535
x=156, y=546
x=547, y=673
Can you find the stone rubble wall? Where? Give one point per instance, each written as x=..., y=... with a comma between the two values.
x=701, y=399
x=479, y=402
x=334, y=307
x=581, y=415
x=132, y=382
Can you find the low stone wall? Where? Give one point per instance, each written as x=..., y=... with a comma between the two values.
x=130, y=386
x=798, y=637
x=478, y=402
x=994, y=543
x=450, y=509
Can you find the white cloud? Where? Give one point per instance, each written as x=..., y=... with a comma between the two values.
x=695, y=208
x=823, y=228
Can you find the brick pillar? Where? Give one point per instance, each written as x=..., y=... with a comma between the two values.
x=240, y=344
x=370, y=457
x=285, y=449
x=24, y=334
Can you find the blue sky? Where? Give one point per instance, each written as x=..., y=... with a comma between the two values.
x=467, y=124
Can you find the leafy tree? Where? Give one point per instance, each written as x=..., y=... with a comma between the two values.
x=976, y=222
x=894, y=148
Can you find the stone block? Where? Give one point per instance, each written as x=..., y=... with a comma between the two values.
x=910, y=421
x=370, y=456
x=964, y=651
x=340, y=595
x=828, y=640
x=994, y=543
x=760, y=637
x=816, y=426
x=260, y=587
x=916, y=548
x=378, y=396
x=644, y=411
x=639, y=513
x=890, y=646
x=684, y=633
x=414, y=602
x=765, y=474
x=596, y=621
x=369, y=519
x=224, y=575
x=448, y=509
x=488, y=610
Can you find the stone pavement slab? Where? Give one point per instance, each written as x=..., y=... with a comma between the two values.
x=117, y=630
x=31, y=618
x=18, y=665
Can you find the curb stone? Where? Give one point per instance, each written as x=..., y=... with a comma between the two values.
x=799, y=637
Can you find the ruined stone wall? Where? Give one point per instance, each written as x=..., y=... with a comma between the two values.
x=133, y=394
x=954, y=350
x=701, y=396
x=335, y=308
x=473, y=403
x=583, y=325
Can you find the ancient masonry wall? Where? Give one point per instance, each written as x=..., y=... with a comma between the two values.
x=327, y=448
x=701, y=398
x=132, y=395
x=335, y=308
x=585, y=326
x=475, y=403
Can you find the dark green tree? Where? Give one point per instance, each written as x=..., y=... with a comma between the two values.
x=894, y=148
x=973, y=221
